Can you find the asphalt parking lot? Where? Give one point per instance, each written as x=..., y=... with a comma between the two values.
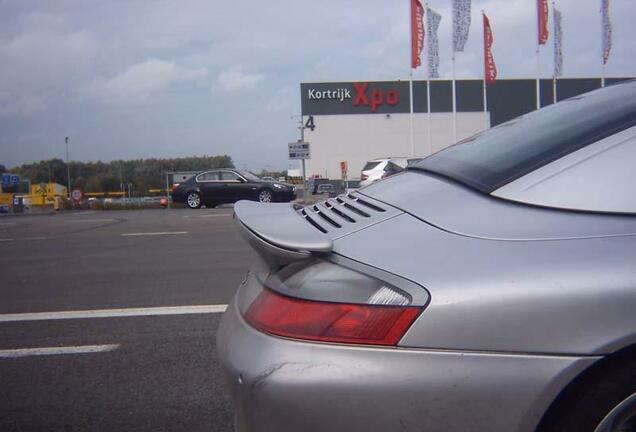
x=82, y=345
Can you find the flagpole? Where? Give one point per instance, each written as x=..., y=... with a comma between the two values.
x=554, y=75
x=428, y=115
x=411, y=116
x=486, y=122
x=538, y=86
x=602, y=71
x=412, y=138
x=454, y=104
x=428, y=86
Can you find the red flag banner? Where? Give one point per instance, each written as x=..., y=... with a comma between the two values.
x=542, y=11
x=417, y=33
x=490, y=69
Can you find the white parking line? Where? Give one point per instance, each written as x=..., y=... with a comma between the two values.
x=89, y=220
x=112, y=313
x=154, y=233
x=210, y=215
x=78, y=349
x=6, y=240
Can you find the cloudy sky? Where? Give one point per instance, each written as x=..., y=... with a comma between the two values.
x=157, y=78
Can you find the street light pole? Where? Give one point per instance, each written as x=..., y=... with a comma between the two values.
x=302, y=140
x=68, y=171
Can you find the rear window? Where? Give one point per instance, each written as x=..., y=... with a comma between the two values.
x=370, y=166
x=208, y=176
x=506, y=152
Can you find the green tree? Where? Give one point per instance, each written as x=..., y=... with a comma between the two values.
x=144, y=174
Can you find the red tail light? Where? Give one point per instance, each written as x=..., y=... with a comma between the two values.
x=330, y=322
x=364, y=177
x=174, y=185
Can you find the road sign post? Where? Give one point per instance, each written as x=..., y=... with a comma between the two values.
x=300, y=150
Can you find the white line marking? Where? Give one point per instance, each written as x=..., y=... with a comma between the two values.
x=6, y=240
x=78, y=349
x=112, y=313
x=154, y=233
x=89, y=220
x=209, y=215
x=35, y=238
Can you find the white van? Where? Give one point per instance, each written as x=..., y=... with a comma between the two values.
x=377, y=169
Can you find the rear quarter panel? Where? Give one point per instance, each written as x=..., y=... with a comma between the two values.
x=572, y=296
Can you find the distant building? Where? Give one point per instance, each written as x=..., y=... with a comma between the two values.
x=360, y=121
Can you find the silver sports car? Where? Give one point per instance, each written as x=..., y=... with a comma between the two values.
x=490, y=287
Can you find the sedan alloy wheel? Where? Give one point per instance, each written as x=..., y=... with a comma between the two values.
x=193, y=200
x=265, y=196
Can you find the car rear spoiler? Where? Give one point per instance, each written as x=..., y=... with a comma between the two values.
x=278, y=233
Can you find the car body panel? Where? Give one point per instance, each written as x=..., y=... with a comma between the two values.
x=279, y=225
x=523, y=298
x=600, y=177
x=444, y=204
x=337, y=217
x=541, y=296
x=558, y=296
x=282, y=385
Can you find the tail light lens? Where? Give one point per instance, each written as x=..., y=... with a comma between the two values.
x=324, y=301
x=330, y=322
x=174, y=185
x=364, y=177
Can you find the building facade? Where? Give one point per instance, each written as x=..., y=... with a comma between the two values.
x=359, y=121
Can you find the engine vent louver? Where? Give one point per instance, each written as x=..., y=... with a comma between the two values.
x=343, y=214
x=311, y=221
x=323, y=215
x=367, y=204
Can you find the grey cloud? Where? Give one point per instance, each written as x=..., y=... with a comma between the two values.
x=236, y=79
x=139, y=81
x=203, y=69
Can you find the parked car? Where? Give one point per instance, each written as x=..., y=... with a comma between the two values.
x=327, y=188
x=220, y=186
x=378, y=169
x=502, y=297
x=313, y=184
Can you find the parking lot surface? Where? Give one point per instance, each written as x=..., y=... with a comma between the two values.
x=108, y=319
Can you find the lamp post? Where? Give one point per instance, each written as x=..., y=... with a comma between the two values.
x=68, y=171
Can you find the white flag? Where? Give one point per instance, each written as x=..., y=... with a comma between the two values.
x=461, y=23
x=558, y=38
x=432, y=24
x=607, y=30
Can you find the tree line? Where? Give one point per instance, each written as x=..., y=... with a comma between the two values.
x=142, y=174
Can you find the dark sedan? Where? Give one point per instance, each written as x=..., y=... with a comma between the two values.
x=220, y=186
